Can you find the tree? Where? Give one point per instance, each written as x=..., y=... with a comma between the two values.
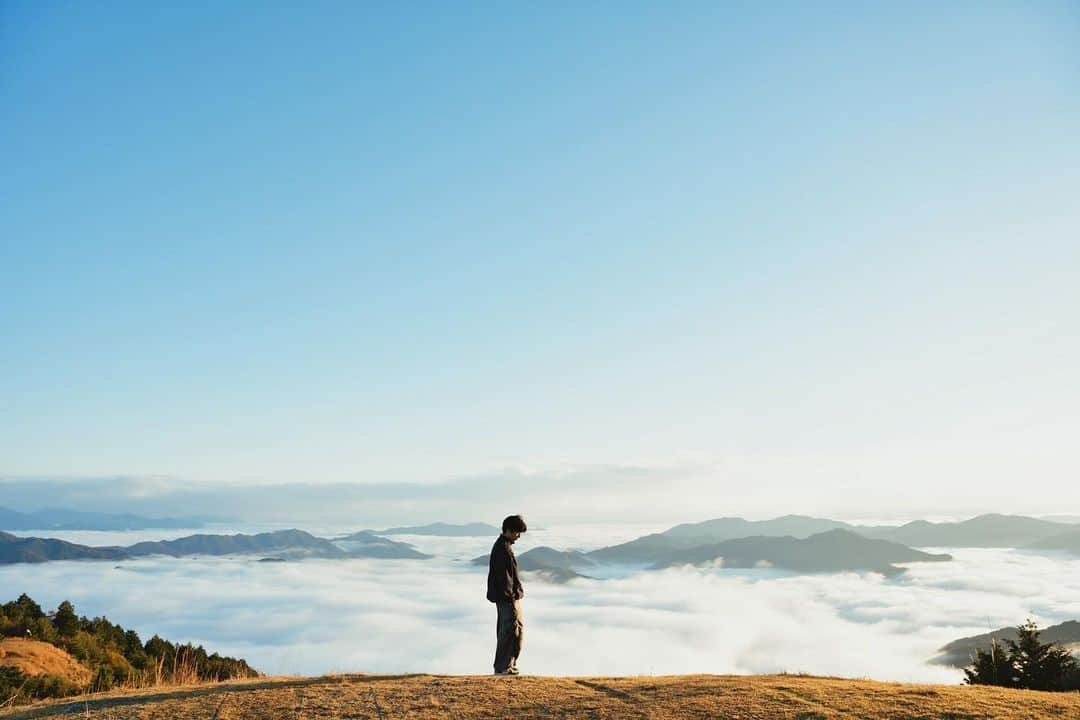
x=65, y=620
x=1028, y=663
x=991, y=667
x=20, y=615
x=1040, y=666
x=30, y=609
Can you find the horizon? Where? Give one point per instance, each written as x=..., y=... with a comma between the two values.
x=453, y=520
x=458, y=501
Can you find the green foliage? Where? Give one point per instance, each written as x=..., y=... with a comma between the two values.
x=990, y=667
x=104, y=679
x=114, y=655
x=1025, y=663
x=21, y=615
x=16, y=688
x=11, y=683
x=180, y=659
x=65, y=620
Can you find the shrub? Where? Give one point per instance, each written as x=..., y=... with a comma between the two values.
x=17, y=688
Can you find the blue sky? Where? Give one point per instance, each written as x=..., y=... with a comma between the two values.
x=821, y=242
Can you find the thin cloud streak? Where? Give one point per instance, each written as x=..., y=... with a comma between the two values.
x=595, y=494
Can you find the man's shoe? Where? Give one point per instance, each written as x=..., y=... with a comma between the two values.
x=512, y=671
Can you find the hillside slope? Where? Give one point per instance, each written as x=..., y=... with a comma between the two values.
x=32, y=657
x=15, y=549
x=383, y=697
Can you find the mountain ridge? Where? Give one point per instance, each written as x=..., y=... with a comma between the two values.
x=835, y=550
x=442, y=529
x=283, y=544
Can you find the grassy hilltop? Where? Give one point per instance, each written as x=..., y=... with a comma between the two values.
x=382, y=697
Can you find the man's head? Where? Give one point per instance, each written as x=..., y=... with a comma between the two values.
x=513, y=526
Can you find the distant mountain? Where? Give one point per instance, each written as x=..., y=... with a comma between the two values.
x=958, y=653
x=732, y=528
x=35, y=550
x=284, y=543
x=657, y=547
x=558, y=566
x=63, y=519
x=544, y=556
x=11, y=520
x=1067, y=519
x=555, y=565
x=1069, y=541
x=280, y=545
x=983, y=531
x=440, y=529
x=832, y=551
x=647, y=549
x=367, y=544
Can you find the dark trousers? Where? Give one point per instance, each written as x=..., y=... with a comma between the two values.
x=509, y=632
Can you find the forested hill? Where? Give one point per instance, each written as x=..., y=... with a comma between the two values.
x=111, y=654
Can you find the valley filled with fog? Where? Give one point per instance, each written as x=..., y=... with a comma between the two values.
x=386, y=616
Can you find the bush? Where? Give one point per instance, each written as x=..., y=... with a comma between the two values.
x=104, y=680
x=16, y=688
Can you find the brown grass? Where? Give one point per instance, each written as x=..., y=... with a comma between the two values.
x=33, y=657
x=381, y=697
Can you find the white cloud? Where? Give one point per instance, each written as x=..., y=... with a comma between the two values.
x=396, y=616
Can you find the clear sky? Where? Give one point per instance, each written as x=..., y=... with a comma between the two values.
x=833, y=245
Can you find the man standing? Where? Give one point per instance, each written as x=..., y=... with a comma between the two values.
x=504, y=589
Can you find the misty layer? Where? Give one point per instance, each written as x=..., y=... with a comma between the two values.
x=377, y=615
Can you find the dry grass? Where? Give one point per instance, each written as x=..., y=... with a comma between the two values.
x=381, y=697
x=32, y=657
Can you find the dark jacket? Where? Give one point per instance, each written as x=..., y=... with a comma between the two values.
x=503, y=582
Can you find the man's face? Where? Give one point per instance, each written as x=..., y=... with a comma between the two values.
x=511, y=535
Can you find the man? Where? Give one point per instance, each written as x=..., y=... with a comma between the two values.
x=504, y=589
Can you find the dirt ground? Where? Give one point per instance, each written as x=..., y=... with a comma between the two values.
x=382, y=697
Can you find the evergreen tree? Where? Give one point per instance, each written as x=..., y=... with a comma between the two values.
x=1027, y=663
x=1040, y=666
x=65, y=620
x=20, y=615
x=30, y=609
x=991, y=667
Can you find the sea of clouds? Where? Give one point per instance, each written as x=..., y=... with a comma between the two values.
x=388, y=616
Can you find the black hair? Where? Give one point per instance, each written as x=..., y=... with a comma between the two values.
x=514, y=523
